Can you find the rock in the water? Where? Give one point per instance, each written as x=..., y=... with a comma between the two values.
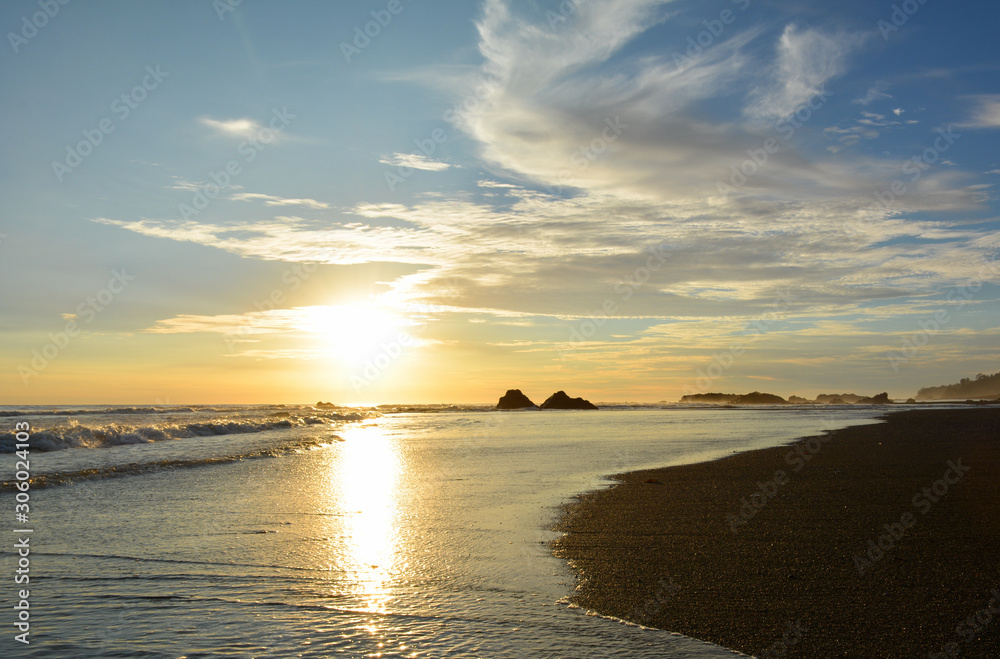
x=514, y=400
x=880, y=399
x=758, y=398
x=561, y=401
x=324, y=406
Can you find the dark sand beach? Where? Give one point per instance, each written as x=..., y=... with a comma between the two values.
x=811, y=570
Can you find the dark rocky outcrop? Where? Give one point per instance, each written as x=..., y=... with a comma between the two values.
x=844, y=398
x=560, y=400
x=324, y=406
x=514, y=400
x=799, y=400
x=758, y=398
x=879, y=399
x=709, y=398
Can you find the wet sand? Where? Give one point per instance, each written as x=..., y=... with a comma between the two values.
x=786, y=551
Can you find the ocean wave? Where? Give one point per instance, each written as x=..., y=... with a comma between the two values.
x=80, y=436
x=432, y=408
x=132, y=469
x=106, y=410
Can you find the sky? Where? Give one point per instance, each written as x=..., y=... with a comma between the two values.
x=405, y=201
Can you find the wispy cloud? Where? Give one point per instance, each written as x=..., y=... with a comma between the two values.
x=876, y=93
x=235, y=324
x=186, y=185
x=985, y=113
x=242, y=128
x=270, y=200
x=414, y=161
x=865, y=128
x=807, y=60
x=606, y=160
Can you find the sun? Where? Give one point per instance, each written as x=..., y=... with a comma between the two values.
x=354, y=333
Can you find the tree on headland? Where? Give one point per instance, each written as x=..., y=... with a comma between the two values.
x=984, y=386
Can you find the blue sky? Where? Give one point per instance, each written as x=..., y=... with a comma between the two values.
x=630, y=200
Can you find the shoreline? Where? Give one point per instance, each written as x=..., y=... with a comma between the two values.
x=827, y=547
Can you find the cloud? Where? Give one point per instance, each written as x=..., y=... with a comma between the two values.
x=605, y=159
x=232, y=324
x=495, y=184
x=863, y=129
x=270, y=200
x=185, y=185
x=807, y=60
x=986, y=113
x=414, y=161
x=568, y=110
x=241, y=128
x=561, y=257
x=876, y=93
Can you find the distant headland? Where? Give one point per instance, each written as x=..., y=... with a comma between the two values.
x=759, y=398
x=985, y=388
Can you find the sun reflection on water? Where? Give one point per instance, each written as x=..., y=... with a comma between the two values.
x=368, y=481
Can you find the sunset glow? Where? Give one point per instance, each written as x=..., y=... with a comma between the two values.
x=635, y=199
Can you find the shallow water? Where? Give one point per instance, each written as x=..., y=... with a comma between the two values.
x=403, y=535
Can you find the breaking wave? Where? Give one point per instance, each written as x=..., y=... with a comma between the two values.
x=132, y=469
x=77, y=435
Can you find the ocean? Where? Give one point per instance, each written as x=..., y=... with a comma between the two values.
x=290, y=531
